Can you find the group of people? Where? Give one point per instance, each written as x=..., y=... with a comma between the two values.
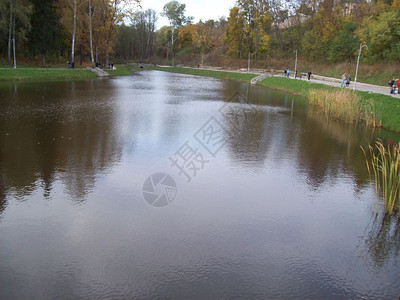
x=286, y=73
x=110, y=66
x=70, y=65
x=346, y=78
x=394, y=84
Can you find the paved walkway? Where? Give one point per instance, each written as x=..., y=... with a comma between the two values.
x=360, y=86
x=384, y=90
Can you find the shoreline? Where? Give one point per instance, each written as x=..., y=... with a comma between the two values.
x=55, y=74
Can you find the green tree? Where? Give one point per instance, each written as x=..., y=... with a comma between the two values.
x=257, y=22
x=344, y=45
x=45, y=34
x=17, y=20
x=382, y=35
x=322, y=28
x=162, y=42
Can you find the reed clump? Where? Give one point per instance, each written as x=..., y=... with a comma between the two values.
x=383, y=165
x=346, y=105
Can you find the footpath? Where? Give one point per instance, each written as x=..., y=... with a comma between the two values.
x=336, y=82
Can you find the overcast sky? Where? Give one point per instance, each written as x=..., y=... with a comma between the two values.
x=199, y=9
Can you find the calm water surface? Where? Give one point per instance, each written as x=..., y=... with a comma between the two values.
x=273, y=201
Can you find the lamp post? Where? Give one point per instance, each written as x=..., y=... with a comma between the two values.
x=248, y=63
x=358, y=63
x=295, y=66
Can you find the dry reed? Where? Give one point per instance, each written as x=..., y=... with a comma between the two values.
x=383, y=165
x=346, y=105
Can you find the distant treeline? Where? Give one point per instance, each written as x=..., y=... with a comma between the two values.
x=100, y=30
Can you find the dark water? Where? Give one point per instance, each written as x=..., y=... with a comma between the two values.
x=272, y=201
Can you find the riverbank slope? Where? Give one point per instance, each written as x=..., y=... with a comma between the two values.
x=35, y=73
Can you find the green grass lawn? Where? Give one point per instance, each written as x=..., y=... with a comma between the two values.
x=245, y=77
x=121, y=70
x=44, y=74
x=35, y=73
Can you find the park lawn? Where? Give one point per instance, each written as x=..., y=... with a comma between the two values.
x=35, y=73
x=245, y=77
x=121, y=70
x=44, y=74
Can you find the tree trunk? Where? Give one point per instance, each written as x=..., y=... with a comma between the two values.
x=81, y=55
x=10, y=32
x=43, y=48
x=172, y=46
x=73, y=31
x=91, y=32
x=15, y=58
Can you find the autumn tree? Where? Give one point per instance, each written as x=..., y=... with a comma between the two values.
x=322, y=28
x=203, y=38
x=234, y=32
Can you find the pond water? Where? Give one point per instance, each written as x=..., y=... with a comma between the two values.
x=162, y=185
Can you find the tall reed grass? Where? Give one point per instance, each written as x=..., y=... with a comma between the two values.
x=346, y=105
x=383, y=165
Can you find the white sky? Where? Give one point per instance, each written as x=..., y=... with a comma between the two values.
x=199, y=9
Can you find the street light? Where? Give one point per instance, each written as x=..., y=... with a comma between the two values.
x=295, y=66
x=358, y=63
x=248, y=63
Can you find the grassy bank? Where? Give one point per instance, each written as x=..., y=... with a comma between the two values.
x=35, y=73
x=389, y=107
x=121, y=70
x=244, y=77
x=44, y=74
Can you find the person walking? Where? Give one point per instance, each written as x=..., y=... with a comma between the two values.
x=309, y=75
x=288, y=73
x=392, y=84
x=398, y=86
x=344, y=80
x=348, y=79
